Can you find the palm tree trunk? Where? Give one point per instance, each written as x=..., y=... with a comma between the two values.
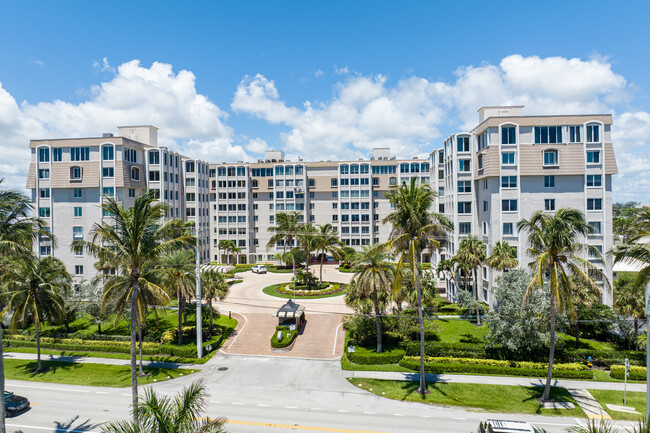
x=636, y=334
x=134, y=376
x=180, y=317
x=377, y=321
x=418, y=291
x=37, y=329
x=478, y=313
x=551, y=353
x=140, y=344
x=307, y=267
x=99, y=327
x=3, y=428
x=577, y=330
x=321, y=267
x=211, y=313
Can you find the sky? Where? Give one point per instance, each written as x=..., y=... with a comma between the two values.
x=321, y=80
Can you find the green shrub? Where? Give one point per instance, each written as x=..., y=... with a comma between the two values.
x=501, y=363
x=603, y=358
x=413, y=363
x=391, y=357
x=433, y=348
x=636, y=372
x=288, y=335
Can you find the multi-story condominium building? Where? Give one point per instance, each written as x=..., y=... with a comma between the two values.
x=350, y=195
x=511, y=165
x=70, y=178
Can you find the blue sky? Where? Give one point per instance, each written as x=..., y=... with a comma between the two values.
x=324, y=80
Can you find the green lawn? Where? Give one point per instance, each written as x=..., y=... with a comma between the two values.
x=634, y=399
x=570, y=341
x=460, y=331
x=272, y=291
x=114, y=376
x=493, y=398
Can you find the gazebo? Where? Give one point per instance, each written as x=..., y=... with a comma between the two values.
x=290, y=314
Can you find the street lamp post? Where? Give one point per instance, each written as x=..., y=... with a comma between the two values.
x=199, y=323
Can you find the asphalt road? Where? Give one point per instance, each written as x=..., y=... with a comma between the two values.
x=258, y=394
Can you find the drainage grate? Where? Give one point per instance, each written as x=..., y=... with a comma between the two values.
x=222, y=368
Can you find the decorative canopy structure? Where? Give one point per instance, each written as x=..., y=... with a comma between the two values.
x=290, y=310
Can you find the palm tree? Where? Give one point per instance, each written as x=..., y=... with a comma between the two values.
x=414, y=228
x=471, y=253
x=17, y=229
x=554, y=244
x=373, y=278
x=228, y=246
x=179, y=414
x=180, y=277
x=629, y=301
x=637, y=250
x=133, y=239
x=214, y=286
x=287, y=225
x=308, y=240
x=583, y=297
x=33, y=288
x=327, y=241
x=503, y=257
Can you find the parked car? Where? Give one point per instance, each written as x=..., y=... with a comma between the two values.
x=259, y=269
x=505, y=426
x=15, y=404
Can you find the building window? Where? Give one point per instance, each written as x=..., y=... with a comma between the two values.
x=45, y=250
x=593, y=133
x=344, y=169
x=463, y=186
x=78, y=193
x=154, y=176
x=508, y=135
x=107, y=153
x=131, y=192
x=189, y=166
x=594, y=204
x=44, y=192
x=595, y=227
x=311, y=195
x=135, y=173
x=463, y=165
x=190, y=196
x=480, y=162
x=485, y=205
x=79, y=153
x=75, y=173
x=463, y=144
x=130, y=155
x=465, y=228
x=549, y=204
x=549, y=181
x=508, y=229
x=44, y=212
x=109, y=191
x=43, y=154
x=550, y=157
x=78, y=212
x=154, y=157
x=574, y=134
x=593, y=157
x=78, y=270
x=508, y=181
x=77, y=232
x=508, y=158
x=594, y=180
x=548, y=134
x=57, y=154
x=108, y=172
x=312, y=182
x=43, y=173
x=464, y=207
x=485, y=184
x=508, y=205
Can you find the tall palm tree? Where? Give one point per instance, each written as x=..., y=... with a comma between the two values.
x=373, y=278
x=179, y=269
x=179, y=414
x=637, y=249
x=228, y=246
x=134, y=239
x=308, y=240
x=555, y=245
x=583, y=297
x=414, y=228
x=503, y=257
x=287, y=225
x=328, y=241
x=629, y=301
x=34, y=290
x=471, y=253
x=214, y=286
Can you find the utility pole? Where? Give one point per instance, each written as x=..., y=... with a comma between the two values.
x=199, y=323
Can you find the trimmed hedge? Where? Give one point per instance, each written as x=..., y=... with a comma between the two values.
x=499, y=363
x=604, y=358
x=332, y=288
x=287, y=339
x=636, y=372
x=413, y=363
x=433, y=348
x=392, y=357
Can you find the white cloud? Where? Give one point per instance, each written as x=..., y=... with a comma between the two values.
x=318, y=72
x=256, y=145
x=631, y=130
x=103, y=66
x=341, y=71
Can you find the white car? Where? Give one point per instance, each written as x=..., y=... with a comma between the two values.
x=259, y=269
x=503, y=426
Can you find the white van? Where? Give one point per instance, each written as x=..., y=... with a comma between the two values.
x=503, y=426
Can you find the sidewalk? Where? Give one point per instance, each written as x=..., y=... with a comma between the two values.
x=109, y=361
x=577, y=388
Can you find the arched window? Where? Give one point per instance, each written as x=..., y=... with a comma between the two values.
x=593, y=133
x=76, y=173
x=135, y=173
x=550, y=157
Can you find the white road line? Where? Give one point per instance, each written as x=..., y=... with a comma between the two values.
x=49, y=388
x=290, y=407
x=238, y=403
x=240, y=331
x=101, y=392
x=370, y=413
x=398, y=414
x=462, y=419
x=336, y=335
x=263, y=405
x=50, y=429
x=315, y=408
x=215, y=401
x=343, y=411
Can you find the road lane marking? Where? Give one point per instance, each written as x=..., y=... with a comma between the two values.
x=299, y=427
x=240, y=331
x=336, y=334
x=263, y=405
x=343, y=411
x=238, y=403
x=370, y=413
x=291, y=407
x=49, y=388
x=315, y=408
x=33, y=427
x=462, y=419
x=398, y=414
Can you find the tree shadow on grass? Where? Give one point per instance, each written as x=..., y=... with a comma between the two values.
x=48, y=368
x=469, y=338
x=70, y=427
x=412, y=387
x=559, y=395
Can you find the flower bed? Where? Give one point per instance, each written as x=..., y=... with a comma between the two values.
x=332, y=289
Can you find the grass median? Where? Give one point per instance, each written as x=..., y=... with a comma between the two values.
x=72, y=373
x=634, y=399
x=491, y=398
